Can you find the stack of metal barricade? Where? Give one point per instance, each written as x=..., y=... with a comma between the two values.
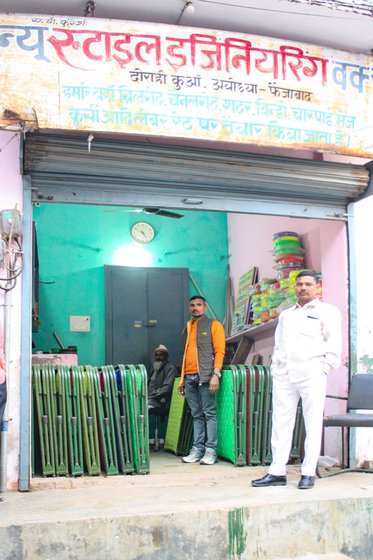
x=89, y=420
x=179, y=433
x=244, y=410
x=231, y=402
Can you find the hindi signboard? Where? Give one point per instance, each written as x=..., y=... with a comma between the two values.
x=91, y=74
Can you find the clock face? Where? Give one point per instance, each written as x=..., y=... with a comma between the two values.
x=142, y=232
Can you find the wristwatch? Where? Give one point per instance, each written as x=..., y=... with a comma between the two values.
x=217, y=373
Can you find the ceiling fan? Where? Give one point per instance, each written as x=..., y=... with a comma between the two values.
x=150, y=210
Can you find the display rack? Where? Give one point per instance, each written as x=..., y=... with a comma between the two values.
x=246, y=339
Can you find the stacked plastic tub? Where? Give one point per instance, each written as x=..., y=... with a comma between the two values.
x=289, y=253
x=289, y=257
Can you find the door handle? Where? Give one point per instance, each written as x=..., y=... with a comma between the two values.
x=152, y=324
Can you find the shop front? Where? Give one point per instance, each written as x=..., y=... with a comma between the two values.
x=192, y=120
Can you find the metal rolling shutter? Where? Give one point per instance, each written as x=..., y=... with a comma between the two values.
x=127, y=173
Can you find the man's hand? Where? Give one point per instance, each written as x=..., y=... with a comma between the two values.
x=182, y=391
x=214, y=384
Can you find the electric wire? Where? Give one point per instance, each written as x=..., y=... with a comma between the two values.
x=11, y=254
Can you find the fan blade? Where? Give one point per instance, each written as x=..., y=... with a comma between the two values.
x=160, y=212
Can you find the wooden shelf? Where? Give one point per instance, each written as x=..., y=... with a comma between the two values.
x=246, y=339
x=251, y=332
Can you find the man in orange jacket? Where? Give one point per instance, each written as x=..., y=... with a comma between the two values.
x=200, y=379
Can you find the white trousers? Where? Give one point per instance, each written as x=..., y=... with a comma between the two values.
x=285, y=400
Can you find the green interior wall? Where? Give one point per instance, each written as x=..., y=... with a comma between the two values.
x=76, y=241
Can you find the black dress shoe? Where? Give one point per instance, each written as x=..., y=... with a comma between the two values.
x=306, y=482
x=269, y=480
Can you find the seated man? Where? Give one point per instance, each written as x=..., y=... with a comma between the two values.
x=162, y=378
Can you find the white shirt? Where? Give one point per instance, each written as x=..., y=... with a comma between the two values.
x=308, y=339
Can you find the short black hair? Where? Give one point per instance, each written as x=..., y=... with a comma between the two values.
x=308, y=273
x=197, y=297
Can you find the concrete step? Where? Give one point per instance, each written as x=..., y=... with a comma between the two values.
x=188, y=512
x=329, y=556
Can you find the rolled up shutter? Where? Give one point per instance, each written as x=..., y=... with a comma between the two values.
x=132, y=173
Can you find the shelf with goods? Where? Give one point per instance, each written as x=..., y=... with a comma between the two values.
x=259, y=305
x=246, y=339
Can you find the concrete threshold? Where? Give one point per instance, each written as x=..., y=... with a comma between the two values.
x=336, y=556
x=189, y=512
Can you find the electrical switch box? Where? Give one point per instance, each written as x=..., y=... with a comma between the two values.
x=10, y=224
x=80, y=323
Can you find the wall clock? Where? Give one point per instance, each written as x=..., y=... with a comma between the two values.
x=142, y=232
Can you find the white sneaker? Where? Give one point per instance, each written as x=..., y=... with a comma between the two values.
x=209, y=457
x=194, y=456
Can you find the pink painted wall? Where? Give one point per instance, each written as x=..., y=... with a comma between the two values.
x=325, y=242
x=334, y=267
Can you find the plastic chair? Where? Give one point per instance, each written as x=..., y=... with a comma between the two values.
x=360, y=398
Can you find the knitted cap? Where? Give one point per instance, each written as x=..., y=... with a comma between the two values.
x=161, y=348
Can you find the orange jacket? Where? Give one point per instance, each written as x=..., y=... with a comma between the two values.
x=191, y=350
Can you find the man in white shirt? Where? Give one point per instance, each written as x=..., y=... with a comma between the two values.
x=307, y=346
